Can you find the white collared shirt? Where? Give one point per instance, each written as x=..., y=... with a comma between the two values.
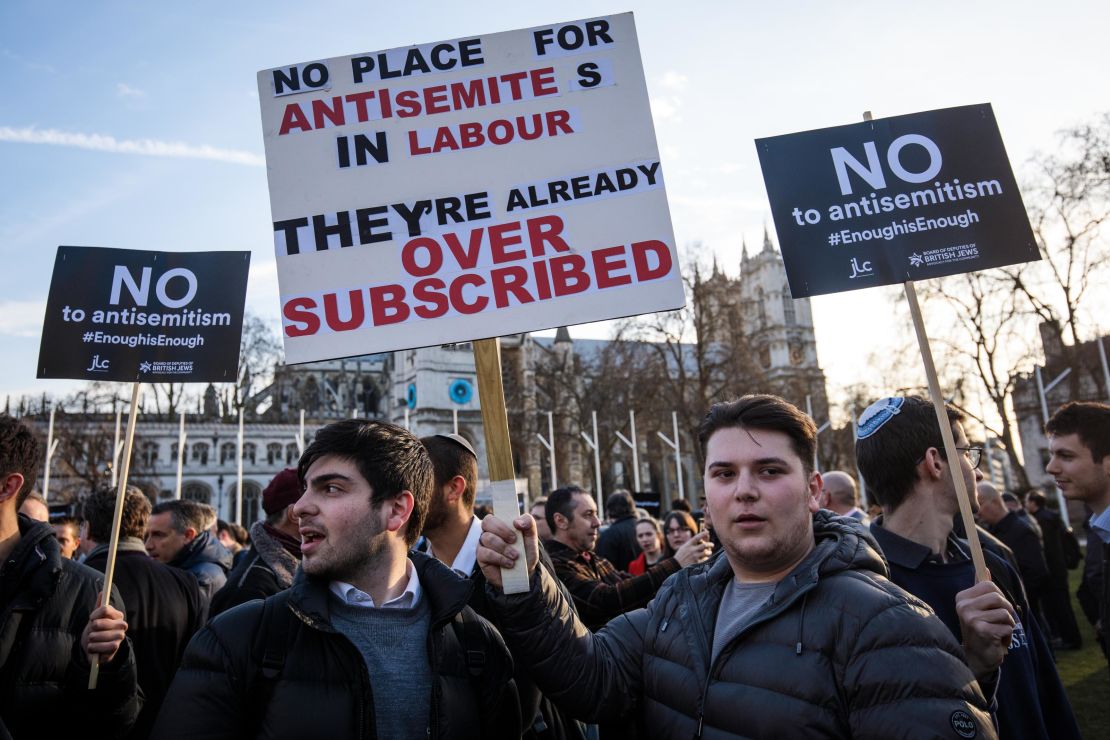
x=468, y=555
x=353, y=596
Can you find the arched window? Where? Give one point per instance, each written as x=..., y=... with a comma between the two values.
x=150, y=454
x=291, y=454
x=273, y=453
x=227, y=453
x=761, y=307
x=250, y=452
x=252, y=503
x=196, y=491
x=200, y=453
x=788, y=306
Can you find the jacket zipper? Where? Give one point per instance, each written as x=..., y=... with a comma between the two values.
x=727, y=649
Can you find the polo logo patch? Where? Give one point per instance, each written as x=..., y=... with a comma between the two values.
x=963, y=724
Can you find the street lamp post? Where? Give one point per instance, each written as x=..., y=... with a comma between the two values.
x=1043, y=391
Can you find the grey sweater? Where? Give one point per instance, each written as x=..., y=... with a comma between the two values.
x=394, y=644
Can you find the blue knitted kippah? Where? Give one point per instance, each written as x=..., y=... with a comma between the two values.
x=877, y=414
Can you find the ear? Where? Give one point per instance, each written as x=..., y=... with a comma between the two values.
x=290, y=517
x=813, y=500
x=398, y=510
x=561, y=522
x=190, y=534
x=933, y=464
x=12, y=482
x=454, y=489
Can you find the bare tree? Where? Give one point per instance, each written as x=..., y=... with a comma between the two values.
x=986, y=323
x=701, y=350
x=984, y=344
x=1069, y=194
x=259, y=351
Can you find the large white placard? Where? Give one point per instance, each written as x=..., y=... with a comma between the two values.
x=466, y=189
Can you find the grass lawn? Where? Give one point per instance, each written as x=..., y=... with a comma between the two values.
x=1086, y=676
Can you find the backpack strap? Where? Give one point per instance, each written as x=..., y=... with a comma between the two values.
x=468, y=631
x=271, y=646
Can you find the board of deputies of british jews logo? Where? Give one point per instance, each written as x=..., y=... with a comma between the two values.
x=176, y=367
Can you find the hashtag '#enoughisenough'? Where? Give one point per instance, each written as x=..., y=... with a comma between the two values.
x=87, y=337
x=834, y=239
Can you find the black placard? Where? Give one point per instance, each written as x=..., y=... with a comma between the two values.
x=155, y=317
x=895, y=199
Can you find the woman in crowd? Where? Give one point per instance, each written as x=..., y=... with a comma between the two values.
x=678, y=527
x=649, y=533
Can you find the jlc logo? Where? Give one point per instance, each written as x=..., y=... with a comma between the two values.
x=98, y=365
x=861, y=270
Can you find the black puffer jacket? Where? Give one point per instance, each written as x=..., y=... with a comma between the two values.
x=322, y=687
x=45, y=602
x=838, y=651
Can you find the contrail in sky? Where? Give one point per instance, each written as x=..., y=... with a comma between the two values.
x=148, y=147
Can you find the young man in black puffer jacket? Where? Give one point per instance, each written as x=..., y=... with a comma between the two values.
x=795, y=632
x=50, y=623
x=371, y=641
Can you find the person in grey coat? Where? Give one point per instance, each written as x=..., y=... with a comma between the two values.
x=794, y=632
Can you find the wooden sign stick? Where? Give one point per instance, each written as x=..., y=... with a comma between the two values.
x=117, y=517
x=950, y=451
x=495, y=420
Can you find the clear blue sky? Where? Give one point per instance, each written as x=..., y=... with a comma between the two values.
x=136, y=124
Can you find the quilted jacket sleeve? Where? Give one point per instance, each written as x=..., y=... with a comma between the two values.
x=938, y=698
x=114, y=704
x=208, y=699
x=593, y=677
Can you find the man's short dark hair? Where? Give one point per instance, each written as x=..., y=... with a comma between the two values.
x=681, y=504
x=560, y=501
x=449, y=458
x=1038, y=498
x=888, y=458
x=19, y=453
x=100, y=506
x=763, y=412
x=390, y=459
x=620, y=504
x=183, y=514
x=67, y=521
x=1089, y=420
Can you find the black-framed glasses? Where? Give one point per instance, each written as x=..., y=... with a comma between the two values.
x=974, y=455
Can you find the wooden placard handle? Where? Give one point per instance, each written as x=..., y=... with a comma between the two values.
x=950, y=451
x=117, y=517
x=495, y=421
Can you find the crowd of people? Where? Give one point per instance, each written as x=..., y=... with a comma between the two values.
x=368, y=602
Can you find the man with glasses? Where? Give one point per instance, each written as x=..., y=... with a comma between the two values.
x=901, y=455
